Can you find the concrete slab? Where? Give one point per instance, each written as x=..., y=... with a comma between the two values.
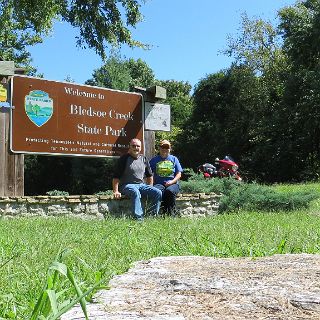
x=192, y=287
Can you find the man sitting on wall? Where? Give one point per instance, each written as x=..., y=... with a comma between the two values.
x=128, y=179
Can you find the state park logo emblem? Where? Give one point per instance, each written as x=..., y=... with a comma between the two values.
x=39, y=107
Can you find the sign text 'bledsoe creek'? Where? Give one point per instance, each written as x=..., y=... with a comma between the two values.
x=88, y=111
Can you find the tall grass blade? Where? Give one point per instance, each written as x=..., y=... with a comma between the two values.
x=53, y=301
x=79, y=292
x=281, y=245
x=74, y=302
x=47, y=302
x=39, y=306
x=60, y=267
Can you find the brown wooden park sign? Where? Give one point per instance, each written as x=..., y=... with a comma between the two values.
x=61, y=118
x=39, y=116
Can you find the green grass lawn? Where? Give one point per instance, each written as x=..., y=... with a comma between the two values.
x=311, y=186
x=100, y=249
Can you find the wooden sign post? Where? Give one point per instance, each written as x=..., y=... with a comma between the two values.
x=11, y=165
x=151, y=94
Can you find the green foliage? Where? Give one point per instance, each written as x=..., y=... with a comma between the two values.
x=249, y=196
x=16, y=37
x=90, y=175
x=181, y=109
x=263, y=110
x=104, y=193
x=57, y=193
x=141, y=74
x=300, y=113
x=75, y=175
x=259, y=45
x=47, y=306
x=195, y=183
x=109, y=21
x=222, y=121
x=171, y=136
x=121, y=74
x=175, y=88
x=180, y=100
x=300, y=27
x=257, y=197
x=113, y=74
x=56, y=170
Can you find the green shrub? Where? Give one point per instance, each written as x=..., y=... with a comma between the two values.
x=252, y=196
x=249, y=196
x=196, y=183
x=104, y=193
x=57, y=193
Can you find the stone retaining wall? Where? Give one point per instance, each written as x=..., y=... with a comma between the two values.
x=93, y=206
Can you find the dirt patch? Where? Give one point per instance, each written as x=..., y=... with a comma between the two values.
x=277, y=287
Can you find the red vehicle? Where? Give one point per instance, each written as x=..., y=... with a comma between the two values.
x=226, y=168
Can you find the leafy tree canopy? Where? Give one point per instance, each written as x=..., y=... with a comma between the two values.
x=175, y=88
x=222, y=120
x=300, y=25
x=259, y=45
x=180, y=100
x=121, y=74
x=15, y=36
x=100, y=22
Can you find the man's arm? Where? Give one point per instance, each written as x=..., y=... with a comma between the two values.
x=115, y=188
x=148, y=172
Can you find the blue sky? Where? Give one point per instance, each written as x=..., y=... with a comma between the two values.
x=187, y=37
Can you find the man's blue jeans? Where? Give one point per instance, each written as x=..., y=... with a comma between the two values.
x=136, y=191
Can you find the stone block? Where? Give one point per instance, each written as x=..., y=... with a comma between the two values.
x=78, y=208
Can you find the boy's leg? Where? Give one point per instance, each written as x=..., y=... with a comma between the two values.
x=161, y=188
x=169, y=198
